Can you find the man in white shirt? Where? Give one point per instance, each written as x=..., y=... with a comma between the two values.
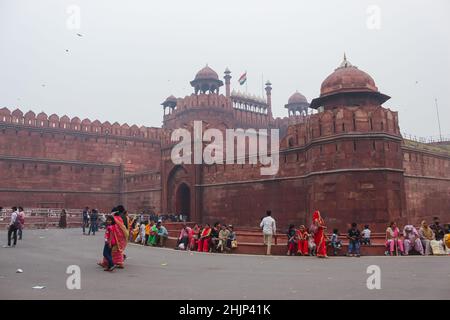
x=12, y=228
x=269, y=229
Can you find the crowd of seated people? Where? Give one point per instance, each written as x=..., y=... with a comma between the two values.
x=300, y=241
x=169, y=217
x=429, y=239
x=426, y=240
x=148, y=232
x=219, y=238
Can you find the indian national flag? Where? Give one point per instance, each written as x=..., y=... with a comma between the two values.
x=243, y=78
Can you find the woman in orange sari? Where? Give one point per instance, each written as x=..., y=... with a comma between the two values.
x=302, y=235
x=318, y=227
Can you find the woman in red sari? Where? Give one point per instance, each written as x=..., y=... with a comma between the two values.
x=120, y=234
x=205, y=237
x=318, y=227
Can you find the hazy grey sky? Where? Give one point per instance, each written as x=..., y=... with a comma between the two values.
x=133, y=54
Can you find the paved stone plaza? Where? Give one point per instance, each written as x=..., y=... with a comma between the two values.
x=153, y=273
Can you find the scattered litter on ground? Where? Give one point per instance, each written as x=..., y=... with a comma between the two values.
x=41, y=237
x=39, y=287
x=19, y=271
x=164, y=264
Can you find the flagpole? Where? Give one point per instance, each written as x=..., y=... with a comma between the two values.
x=439, y=121
x=246, y=82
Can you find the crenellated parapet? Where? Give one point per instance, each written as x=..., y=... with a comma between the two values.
x=344, y=120
x=211, y=101
x=42, y=120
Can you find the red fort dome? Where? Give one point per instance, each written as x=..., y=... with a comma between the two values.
x=297, y=103
x=297, y=97
x=348, y=80
x=206, y=81
x=207, y=74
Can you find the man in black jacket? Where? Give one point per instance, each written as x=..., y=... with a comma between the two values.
x=93, y=220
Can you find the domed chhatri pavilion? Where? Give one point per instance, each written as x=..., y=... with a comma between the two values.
x=206, y=80
x=348, y=85
x=342, y=153
x=297, y=103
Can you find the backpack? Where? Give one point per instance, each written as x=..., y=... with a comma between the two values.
x=21, y=219
x=16, y=223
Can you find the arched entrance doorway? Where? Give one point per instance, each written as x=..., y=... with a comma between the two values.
x=183, y=200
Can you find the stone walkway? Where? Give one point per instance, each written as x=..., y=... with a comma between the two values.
x=155, y=273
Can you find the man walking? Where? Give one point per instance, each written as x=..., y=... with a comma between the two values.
x=269, y=229
x=85, y=219
x=13, y=226
x=93, y=220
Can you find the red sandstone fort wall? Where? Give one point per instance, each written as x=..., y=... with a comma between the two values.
x=371, y=198
x=71, y=163
x=64, y=139
x=58, y=184
x=142, y=191
x=427, y=184
x=346, y=163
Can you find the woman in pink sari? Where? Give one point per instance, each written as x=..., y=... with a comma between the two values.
x=194, y=236
x=318, y=227
x=393, y=240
